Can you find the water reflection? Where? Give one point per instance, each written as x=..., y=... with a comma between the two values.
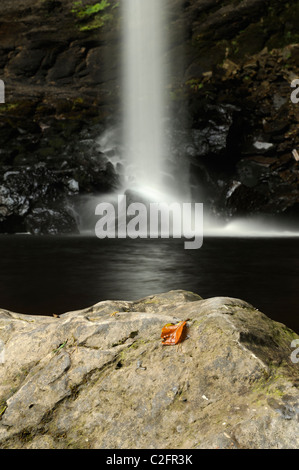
x=45, y=275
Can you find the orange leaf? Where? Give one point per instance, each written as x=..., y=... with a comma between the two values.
x=173, y=334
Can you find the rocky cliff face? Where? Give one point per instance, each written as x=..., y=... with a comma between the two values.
x=59, y=92
x=230, y=92
x=101, y=378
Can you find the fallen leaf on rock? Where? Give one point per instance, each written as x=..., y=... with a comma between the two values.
x=173, y=334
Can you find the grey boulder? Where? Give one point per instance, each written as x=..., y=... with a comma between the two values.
x=100, y=377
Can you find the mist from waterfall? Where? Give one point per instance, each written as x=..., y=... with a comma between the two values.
x=143, y=158
x=144, y=102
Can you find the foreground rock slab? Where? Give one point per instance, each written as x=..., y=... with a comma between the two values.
x=100, y=377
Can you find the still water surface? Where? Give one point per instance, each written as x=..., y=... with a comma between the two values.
x=46, y=275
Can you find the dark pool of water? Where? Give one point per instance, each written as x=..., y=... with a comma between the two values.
x=45, y=275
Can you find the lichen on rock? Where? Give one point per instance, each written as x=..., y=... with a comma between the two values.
x=101, y=378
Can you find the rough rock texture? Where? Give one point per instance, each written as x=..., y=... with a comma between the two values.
x=57, y=98
x=245, y=141
x=100, y=377
x=233, y=123
x=24, y=194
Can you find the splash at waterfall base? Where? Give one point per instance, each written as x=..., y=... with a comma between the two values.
x=151, y=220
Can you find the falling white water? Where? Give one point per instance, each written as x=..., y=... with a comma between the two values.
x=144, y=117
x=144, y=93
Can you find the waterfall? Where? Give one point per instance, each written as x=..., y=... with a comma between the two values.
x=149, y=171
x=144, y=100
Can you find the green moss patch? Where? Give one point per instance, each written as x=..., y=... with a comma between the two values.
x=93, y=16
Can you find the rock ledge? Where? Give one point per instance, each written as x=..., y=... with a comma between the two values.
x=100, y=377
